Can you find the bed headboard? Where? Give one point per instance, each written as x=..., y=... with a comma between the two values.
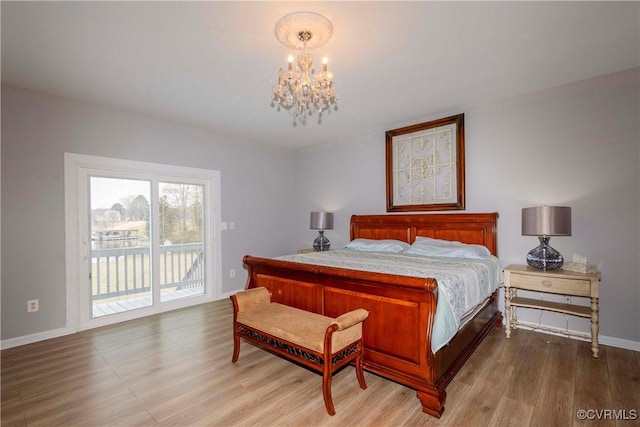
x=473, y=228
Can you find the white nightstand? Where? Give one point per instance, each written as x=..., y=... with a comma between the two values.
x=561, y=282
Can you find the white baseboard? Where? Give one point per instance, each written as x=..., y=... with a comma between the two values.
x=40, y=336
x=620, y=343
x=602, y=339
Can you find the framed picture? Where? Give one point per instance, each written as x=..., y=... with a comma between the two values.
x=425, y=166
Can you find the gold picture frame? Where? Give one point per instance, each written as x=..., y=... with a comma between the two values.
x=425, y=166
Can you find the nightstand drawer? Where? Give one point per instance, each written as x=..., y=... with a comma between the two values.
x=551, y=284
x=306, y=251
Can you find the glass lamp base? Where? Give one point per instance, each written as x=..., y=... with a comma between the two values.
x=544, y=257
x=321, y=243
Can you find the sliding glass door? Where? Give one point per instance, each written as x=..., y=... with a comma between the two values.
x=147, y=242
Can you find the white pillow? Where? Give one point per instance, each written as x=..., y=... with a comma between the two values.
x=445, y=248
x=384, y=245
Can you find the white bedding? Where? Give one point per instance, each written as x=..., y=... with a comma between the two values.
x=463, y=284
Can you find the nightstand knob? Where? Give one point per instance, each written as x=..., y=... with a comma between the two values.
x=546, y=283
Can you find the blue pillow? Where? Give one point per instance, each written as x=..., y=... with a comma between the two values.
x=384, y=245
x=445, y=248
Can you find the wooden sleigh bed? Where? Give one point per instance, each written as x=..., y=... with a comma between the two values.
x=397, y=334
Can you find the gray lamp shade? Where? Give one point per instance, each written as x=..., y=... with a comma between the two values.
x=321, y=221
x=546, y=221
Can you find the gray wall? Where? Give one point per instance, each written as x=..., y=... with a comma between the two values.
x=36, y=132
x=575, y=145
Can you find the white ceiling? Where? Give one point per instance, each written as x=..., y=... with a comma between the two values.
x=213, y=64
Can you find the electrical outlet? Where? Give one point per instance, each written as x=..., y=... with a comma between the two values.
x=33, y=305
x=232, y=226
x=232, y=272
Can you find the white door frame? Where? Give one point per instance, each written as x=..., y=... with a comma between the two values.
x=77, y=245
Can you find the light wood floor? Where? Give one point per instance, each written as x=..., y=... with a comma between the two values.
x=174, y=369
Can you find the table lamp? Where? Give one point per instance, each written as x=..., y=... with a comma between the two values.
x=545, y=221
x=321, y=221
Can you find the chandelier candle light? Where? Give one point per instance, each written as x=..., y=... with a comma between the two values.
x=299, y=90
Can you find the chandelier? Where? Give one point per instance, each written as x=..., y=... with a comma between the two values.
x=300, y=90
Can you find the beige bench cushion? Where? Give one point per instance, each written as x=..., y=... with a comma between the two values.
x=300, y=327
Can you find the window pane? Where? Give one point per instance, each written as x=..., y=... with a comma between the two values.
x=120, y=254
x=182, y=251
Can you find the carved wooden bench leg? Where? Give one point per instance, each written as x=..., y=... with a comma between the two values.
x=326, y=390
x=236, y=347
x=327, y=370
x=360, y=372
x=236, y=336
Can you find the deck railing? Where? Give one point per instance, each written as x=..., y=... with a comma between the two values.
x=126, y=271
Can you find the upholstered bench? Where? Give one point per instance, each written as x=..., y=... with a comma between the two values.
x=321, y=343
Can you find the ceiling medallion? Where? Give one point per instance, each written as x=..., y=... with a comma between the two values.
x=299, y=90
